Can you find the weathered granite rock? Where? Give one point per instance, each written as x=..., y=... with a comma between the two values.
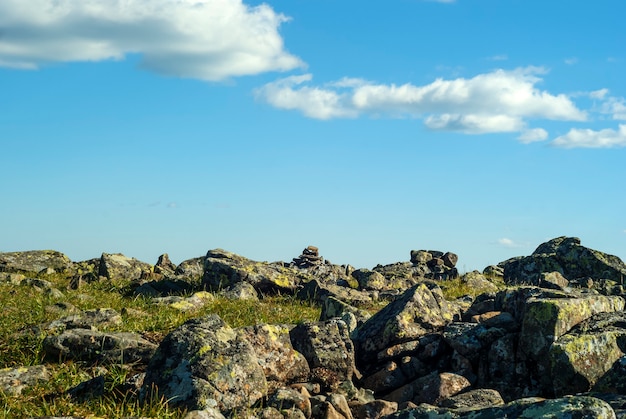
x=591, y=356
x=471, y=339
x=241, y=291
x=566, y=256
x=326, y=345
x=318, y=291
x=375, y=409
x=88, y=319
x=164, y=265
x=536, y=408
x=116, y=266
x=34, y=261
x=333, y=307
x=477, y=281
x=205, y=363
x=194, y=302
x=284, y=399
x=422, y=309
x=191, y=269
x=474, y=399
x=553, y=280
x=431, y=389
x=370, y=280
x=275, y=353
x=91, y=345
x=223, y=269
x=14, y=380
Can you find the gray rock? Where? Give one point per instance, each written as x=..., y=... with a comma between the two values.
x=431, y=389
x=117, y=267
x=91, y=345
x=566, y=256
x=275, y=353
x=223, y=269
x=376, y=409
x=420, y=310
x=88, y=319
x=284, y=399
x=241, y=291
x=14, y=380
x=326, y=345
x=205, y=363
x=34, y=261
x=474, y=399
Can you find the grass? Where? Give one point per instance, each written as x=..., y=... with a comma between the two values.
x=25, y=307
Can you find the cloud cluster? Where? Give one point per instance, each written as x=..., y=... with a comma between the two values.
x=498, y=101
x=587, y=138
x=203, y=39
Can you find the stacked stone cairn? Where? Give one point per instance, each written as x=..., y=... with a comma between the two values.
x=310, y=257
x=441, y=265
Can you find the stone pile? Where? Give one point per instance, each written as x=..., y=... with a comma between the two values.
x=553, y=345
x=309, y=257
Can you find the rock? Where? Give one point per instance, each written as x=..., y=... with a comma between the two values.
x=194, y=302
x=91, y=345
x=370, y=280
x=553, y=280
x=450, y=259
x=326, y=345
x=477, y=281
x=118, y=267
x=387, y=379
x=223, y=269
x=474, y=399
x=430, y=389
x=376, y=409
x=241, y=291
x=422, y=309
x=275, y=353
x=205, y=363
x=420, y=256
x=318, y=291
x=34, y=261
x=14, y=380
x=494, y=272
x=285, y=399
x=206, y=413
x=88, y=319
x=164, y=265
x=536, y=408
x=470, y=339
x=591, y=356
x=89, y=389
x=566, y=256
x=191, y=269
x=333, y=308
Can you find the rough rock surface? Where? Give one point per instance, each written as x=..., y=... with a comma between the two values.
x=14, y=380
x=566, y=256
x=205, y=363
x=117, y=266
x=34, y=261
x=419, y=311
x=223, y=269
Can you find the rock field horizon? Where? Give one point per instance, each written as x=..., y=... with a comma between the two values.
x=541, y=335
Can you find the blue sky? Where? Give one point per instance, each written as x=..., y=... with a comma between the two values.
x=482, y=127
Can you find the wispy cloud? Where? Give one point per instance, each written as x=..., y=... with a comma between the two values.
x=506, y=242
x=571, y=61
x=533, y=135
x=203, y=39
x=500, y=57
x=588, y=138
x=498, y=101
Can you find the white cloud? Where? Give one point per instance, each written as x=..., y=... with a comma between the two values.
x=614, y=106
x=203, y=39
x=499, y=101
x=599, y=94
x=533, y=135
x=571, y=60
x=587, y=138
x=506, y=242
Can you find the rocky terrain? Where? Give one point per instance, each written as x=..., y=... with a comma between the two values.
x=544, y=338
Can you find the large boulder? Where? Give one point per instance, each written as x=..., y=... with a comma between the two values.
x=326, y=345
x=566, y=256
x=591, y=356
x=116, y=266
x=14, y=380
x=34, y=261
x=421, y=310
x=205, y=363
x=223, y=269
x=94, y=346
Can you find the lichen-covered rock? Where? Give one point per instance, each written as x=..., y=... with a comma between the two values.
x=474, y=399
x=240, y=291
x=280, y=361
x=566, y=256
x=332, y=307
x=91, y=345
x=164, y=265
x=431, y=389
x=375, y=409
x=591, y=356
x=223, y=269
x=319, y=291
x=471, y=339
x=284, y=399
x=116, y=266
x=191, y=269
x=34, y=261
x=370, y=280
x=14, y=380
x=88, y=319
x=194, y=302
x=422, y=309
x=205, y=363
x=530, y=408
x=326, y=345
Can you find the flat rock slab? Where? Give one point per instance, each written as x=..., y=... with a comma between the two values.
x=14, y=380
